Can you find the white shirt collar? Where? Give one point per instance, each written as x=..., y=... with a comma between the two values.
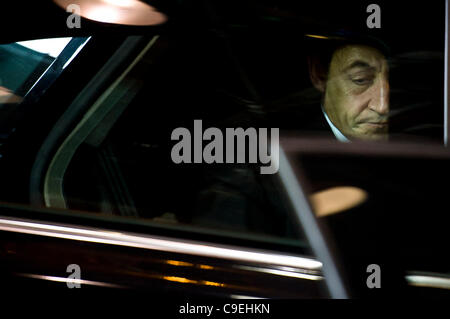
x=340, y=137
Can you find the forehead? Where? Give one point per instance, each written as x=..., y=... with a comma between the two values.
x=354, y=56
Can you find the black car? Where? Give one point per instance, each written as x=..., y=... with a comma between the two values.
x=92, y=198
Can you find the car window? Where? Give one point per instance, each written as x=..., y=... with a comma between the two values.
x=179, y=130
x=117, y=161
x=119, y=158
x=22, y=65
x=386, y=209
x=185, y=132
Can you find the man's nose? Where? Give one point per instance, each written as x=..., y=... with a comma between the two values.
x=380, y=100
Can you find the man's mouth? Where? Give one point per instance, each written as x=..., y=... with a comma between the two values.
x=377, y=124
x=374, y=124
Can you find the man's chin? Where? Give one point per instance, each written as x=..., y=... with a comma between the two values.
x=370, y=136
x=379, y=137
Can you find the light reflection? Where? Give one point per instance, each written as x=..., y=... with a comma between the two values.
x=180, y=279
x=179, y=263
x=71, y=280
x=103, y=14
x=190, y=281
x=76, y=53
x=283, y=273
x=244, y=297
x=120, y=3
x=337, y=199
x=212, y=283
x=316, y=36
x=196, y=282
x=52, y=47
x=187, y=264
x=156, y=243
x=428, y=280
x=207, y=267
x=126, y=12
x=7, y=96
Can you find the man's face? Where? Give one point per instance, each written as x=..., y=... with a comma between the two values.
x=357, y=92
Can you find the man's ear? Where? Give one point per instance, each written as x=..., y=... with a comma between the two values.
x=317, y=73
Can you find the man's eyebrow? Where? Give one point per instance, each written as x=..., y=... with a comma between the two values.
x=359, y=64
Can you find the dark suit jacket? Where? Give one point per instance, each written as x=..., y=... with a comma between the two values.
x=238, y=197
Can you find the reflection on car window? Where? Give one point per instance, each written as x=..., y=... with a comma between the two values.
x=22, y=64
x=123, y=166
x=311, y=72
x=357, y=83
x=350, y=83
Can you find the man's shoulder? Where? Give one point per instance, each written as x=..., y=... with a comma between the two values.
x=312, y=120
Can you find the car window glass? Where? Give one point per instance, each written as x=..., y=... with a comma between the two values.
x=193, y=84
x=119, y=157
x=117, y=160
x=385, y=209
x=22, y=65
x=183, y=134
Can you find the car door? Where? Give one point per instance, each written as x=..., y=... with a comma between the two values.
x=103, y=214
x=93, y=198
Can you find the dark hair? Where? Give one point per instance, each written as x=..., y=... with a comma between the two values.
x=322, y=47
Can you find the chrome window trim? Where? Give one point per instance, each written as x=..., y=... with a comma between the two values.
x=71, y=280
x=159, y=243
x=428, y=280
x=311, y=227
x=53, y=180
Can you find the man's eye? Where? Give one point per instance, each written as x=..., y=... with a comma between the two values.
x=362, y=81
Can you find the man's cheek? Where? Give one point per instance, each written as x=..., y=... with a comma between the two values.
x=360, y=106
x=352, y=112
